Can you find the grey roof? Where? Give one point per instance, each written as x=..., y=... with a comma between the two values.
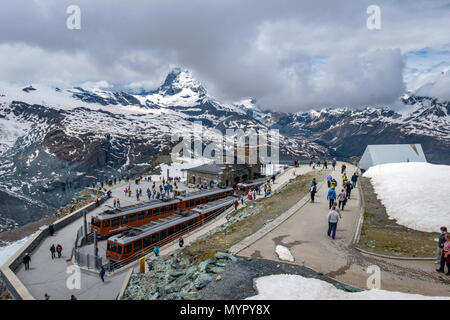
x=215, y=168
x=108, y=214
x=253, y=183
x=391, y=153
x=208, y=168
x=195, y=195
x=210, y=206
x=135, y=234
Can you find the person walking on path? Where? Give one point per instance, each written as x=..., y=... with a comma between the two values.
x=72, y=297
x=236, y=204
x=343, y=167
x=445, y=257
x=354, y=179
x=51, y=229
x=59, y=250
x=333, y=218
x=26, y=261
x=342, y=199
x=46, y=296
x=181, y=242
x=348, y=188
x=329, y=180
x=102, y=274
x=441, y=243
x=333, y=163
x=313, y=190
x=53, y=250
x=156, y=251
x=331, y=197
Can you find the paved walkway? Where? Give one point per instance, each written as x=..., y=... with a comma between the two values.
x=304, y=233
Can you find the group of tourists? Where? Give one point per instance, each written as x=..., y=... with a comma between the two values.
x=336, y=201
x=57, y=249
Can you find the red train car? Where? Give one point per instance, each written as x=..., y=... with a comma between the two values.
x=139, y=241
x=245, y=187
x=114, y=221
x=193, y=200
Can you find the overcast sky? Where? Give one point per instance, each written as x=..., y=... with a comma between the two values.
x=289, y=55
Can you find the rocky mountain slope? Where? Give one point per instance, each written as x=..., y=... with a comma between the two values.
x=422, y=120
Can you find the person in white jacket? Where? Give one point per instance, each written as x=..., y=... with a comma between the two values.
x=333, y=218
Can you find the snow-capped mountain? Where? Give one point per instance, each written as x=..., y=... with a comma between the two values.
x=421, y=120
x=55, y=141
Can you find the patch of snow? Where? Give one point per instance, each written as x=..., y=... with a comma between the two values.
x=414, y=193
x=284, y=253
x=9, y=249
x=295, y=287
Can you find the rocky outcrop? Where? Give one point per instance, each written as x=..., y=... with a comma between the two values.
x=174, y=278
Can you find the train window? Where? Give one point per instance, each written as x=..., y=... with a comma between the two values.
x=184, y=227
x=133, y=217
x=112, y=247
x=197, y=202
x=105, y=223
x=191, y=203
x=146, y=241
x=155, y=211
x=163, y=235
x=175, y=206
x=169, y=231
x=155, y=238
x=95, y=222
x=163, y=210
x=141, y=215
x=149, y=214
x=128, y=248
x=119, y=249
x=169, y=208
x=137, y=245
x=124, y=219
x=115, y=222
x=177, y=228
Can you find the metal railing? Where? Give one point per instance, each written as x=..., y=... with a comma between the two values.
x=87, y=260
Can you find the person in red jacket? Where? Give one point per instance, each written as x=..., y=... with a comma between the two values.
x=445, y=258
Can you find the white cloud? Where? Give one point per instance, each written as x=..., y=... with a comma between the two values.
x=290, y=56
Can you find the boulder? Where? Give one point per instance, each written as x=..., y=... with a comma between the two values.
x=202, y=267
x=223, y=255
x=203, y=280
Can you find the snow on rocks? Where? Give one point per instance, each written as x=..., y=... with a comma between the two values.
x=295, y=287
x=284, y=253
x=413, y=193
x=11, y=248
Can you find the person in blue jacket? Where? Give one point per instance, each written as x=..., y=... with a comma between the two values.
x=156, y=251
x=331, y=196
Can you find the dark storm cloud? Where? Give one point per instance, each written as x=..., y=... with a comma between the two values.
x=289, y=55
